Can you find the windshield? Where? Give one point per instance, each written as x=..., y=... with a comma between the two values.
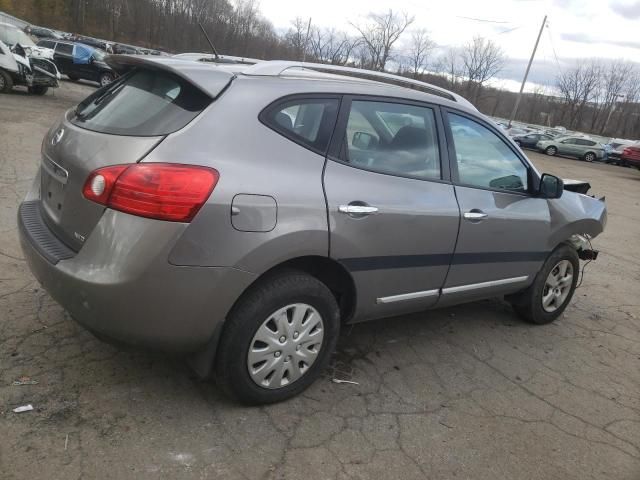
x=99, y=55
x=11, y=35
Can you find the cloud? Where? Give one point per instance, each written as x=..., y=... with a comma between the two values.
x=585, y=38
x=627, y=10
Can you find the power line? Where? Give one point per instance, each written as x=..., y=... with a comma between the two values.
x=481, y=19
x=553, y=48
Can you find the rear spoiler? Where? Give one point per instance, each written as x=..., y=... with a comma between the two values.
x=203, y=76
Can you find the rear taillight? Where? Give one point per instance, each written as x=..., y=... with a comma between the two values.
x=163, y=191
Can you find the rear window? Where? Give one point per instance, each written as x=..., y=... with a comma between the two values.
x=142, y=103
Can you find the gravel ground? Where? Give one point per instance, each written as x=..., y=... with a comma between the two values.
x=466, y=392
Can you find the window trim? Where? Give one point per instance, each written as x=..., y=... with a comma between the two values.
x=264, y=114
x=532, y=176
x=337, y=147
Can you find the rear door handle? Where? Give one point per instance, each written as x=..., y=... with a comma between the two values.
x=475, y=215
x=357, y=209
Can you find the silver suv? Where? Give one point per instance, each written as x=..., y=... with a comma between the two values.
x=581, y=147
x=243, y=214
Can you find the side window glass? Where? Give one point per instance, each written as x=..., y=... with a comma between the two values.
x=393, y=138
x=306, y=121
x=483, y=159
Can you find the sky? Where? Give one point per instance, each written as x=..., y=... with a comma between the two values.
x=576, y=29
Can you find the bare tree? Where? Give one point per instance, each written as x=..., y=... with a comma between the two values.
x=450, y=64
x=298, y=37
x=481, y=59
x=331, y=46
x=379, y=34
x=614, y=81
x=578, y=86
x=419, y=51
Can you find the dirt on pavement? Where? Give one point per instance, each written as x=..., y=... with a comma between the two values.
x=466, y=392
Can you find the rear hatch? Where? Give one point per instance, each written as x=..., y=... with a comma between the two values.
x=119, y=124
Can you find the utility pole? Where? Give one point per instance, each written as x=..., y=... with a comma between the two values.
x=526, y=74
x=306, y=41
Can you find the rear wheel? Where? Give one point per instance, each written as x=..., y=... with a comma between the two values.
x=551, y=151
x=6, y=83
x=105, y=79
x=552, y=290
x=278, y=339
x=589, y=157
x=38, y=90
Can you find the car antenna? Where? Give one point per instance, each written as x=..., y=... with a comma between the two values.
x=204, y=32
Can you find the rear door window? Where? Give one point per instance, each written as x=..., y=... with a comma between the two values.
x=393, y=138
x=307, y=121
x=142, y=103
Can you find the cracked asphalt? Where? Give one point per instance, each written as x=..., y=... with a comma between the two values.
x=469, y=392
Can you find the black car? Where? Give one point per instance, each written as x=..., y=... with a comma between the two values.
x=41, y=32
x=531, y=139
x=79, y=61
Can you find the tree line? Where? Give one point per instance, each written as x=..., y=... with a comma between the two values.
x=595, y=96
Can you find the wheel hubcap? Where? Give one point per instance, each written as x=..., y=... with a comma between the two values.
x=285, y=346
x=557, y=287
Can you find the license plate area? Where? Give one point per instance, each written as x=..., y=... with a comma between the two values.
x=52, y=189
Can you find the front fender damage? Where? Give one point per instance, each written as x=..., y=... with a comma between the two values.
x=576, y=218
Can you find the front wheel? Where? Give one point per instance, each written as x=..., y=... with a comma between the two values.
x=6, y=83
x=278, y=339
x=551, y=151
x=38, y=90
x=552, y=289
x=589, y=157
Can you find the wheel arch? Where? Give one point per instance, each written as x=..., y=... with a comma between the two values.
x=327, y=270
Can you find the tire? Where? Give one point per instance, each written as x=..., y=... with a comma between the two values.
x=73, y=78
x=529, y=303
x=589, y=157
x=105, y=79
x=551, y=151
x=6, y=82
x=38, y=90
x=250, y=318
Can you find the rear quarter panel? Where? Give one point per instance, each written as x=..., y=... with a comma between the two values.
x=251, y=159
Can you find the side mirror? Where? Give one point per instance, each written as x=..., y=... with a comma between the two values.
x=550, y=186
x=364, y=141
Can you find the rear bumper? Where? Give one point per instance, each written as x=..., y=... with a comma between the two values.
x=121, y=286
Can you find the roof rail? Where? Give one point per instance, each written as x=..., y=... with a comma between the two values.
x=278, y=67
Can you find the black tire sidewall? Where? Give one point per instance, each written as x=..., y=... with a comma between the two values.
x=103, y=75
x=531, y=308
x=250, y=312
x=8, y=83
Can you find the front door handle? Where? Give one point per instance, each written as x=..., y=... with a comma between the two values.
x=357, y=209
x=475, y=215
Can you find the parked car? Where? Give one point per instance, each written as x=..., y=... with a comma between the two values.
x=19, y=68
x=12, y=36
x=103, y=45
x=119, y=48
x=155, y=224
x=631, y=156
x=531, y=140
x=615, y=153
x=516, y=132
x=581, y=147
x=41, y=32
x=79, y=61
